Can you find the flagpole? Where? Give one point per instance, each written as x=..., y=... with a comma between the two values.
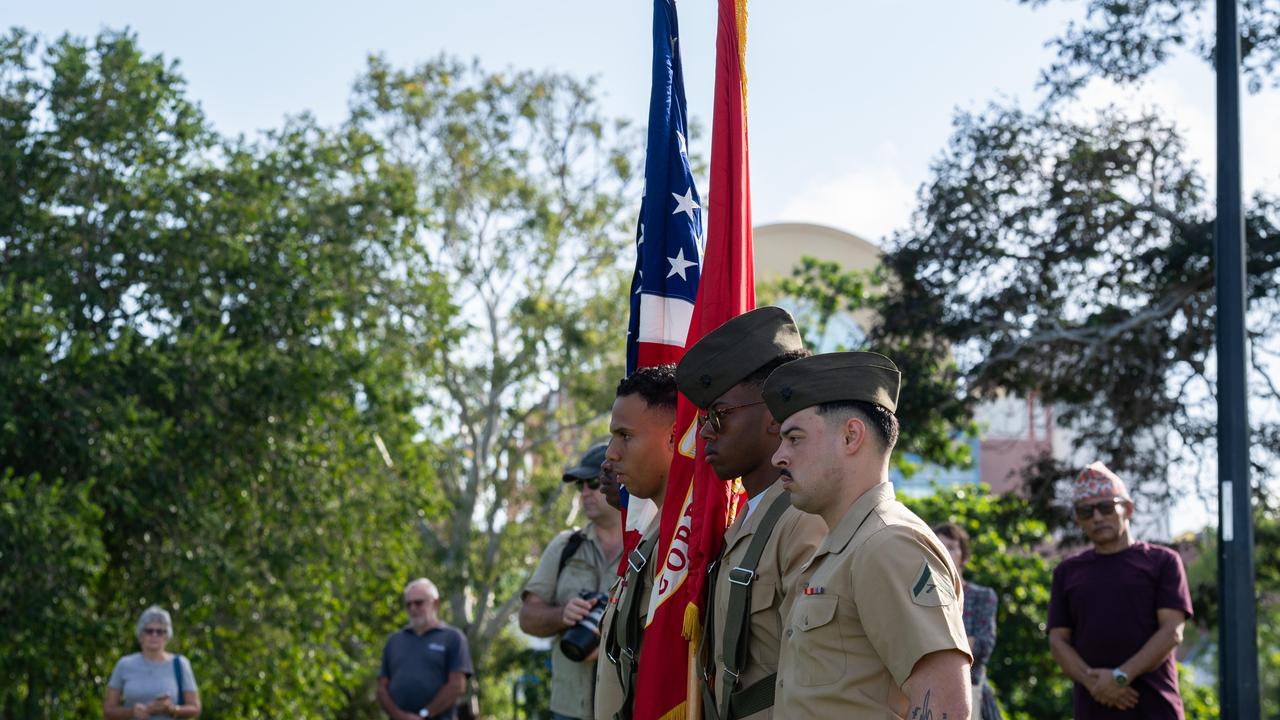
x=1238, y=653
x=693, y=694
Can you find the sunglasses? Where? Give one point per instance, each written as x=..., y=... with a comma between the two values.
x=715, y=418
x=414, y=603
x=154, y=631
x=1106, y=507
x=593, y=483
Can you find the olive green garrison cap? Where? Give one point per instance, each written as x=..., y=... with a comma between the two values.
x=729, y=354
x=832, y=377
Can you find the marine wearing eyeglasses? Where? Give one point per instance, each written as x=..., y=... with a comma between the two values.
x=574, y=561
x=755, y=580
x=1116, y=611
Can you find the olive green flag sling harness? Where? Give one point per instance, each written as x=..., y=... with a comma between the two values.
x=623, y=644
x=737, y=633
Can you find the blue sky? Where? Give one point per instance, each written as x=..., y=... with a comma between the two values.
x=849, y=101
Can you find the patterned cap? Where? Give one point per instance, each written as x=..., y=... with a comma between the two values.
x=1097, y=481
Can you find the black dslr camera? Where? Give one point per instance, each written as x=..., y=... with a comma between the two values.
x=580, y=640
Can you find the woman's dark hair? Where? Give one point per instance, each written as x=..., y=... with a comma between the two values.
x=656, y=384
x=957, y=533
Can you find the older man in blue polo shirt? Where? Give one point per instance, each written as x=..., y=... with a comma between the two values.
x=425, y=666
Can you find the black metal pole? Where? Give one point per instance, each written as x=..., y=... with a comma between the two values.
x=1238, y=648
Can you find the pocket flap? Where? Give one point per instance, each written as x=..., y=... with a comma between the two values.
x=815, y=611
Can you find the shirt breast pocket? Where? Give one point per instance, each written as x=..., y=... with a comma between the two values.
x=820, y=658
x=578, y=575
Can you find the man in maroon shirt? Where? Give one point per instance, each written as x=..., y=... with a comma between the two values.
x=1116, y=611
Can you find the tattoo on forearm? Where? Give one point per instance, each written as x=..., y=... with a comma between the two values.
x=923, y=711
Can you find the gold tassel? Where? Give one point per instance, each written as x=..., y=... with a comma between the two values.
x=692, y=625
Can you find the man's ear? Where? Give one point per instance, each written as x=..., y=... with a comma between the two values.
x=854, y=435
x=774, y=427
x=671, y=439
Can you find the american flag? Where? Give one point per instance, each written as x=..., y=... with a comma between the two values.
x=668, y=239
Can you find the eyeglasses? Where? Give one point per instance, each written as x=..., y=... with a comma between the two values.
x=1106, y=507
x=715, y=417
x=593, y=483
x=155, y=631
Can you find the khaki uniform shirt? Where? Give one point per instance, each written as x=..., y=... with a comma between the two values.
x=588, y=569
x=609, y=694
x=778, y=577
x=882, y=594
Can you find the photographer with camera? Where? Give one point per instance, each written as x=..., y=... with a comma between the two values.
x=566, y=595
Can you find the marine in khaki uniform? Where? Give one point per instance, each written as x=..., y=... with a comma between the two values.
x=878, y=631
x=754, y=581
x=642, y=440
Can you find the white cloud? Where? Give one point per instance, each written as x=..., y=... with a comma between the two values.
x=870, y=202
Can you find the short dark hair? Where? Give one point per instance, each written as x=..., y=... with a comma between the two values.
x=957, y=533
x=656, y=384
x=759, y=376
x=884, y=424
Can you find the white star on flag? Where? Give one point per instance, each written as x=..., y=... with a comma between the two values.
x=640, y=285
x=685, y=203
x=641, y=240
x=679, y=264
x=684, y=146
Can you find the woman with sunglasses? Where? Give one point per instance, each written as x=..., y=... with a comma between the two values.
x=152, y=684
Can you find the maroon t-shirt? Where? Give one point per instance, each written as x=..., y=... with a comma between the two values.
x=1109, y=603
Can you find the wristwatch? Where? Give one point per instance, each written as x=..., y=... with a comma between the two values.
x=1121, y=677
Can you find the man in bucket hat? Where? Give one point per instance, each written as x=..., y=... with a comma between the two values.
x=1116, y=610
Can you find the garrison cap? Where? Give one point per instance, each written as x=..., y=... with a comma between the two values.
x=589, y=466
x=832, y=377
x=729, y=354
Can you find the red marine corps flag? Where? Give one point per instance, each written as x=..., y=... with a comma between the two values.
x=697, y=507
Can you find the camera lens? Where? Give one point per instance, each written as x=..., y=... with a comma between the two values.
x=580, y=640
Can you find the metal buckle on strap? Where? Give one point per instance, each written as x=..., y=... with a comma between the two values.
x=613, y=659
x=636, y=560
x=742, y=576
x=628, y=654
x=731, y=674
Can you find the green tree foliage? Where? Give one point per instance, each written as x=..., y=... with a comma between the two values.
x=1006, y=538
x=521, y=182
x=1075, y=260
x=1008, y=541
x=936, y=422
x=1125, y=41
x=1202, y=577
x=203, y=344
